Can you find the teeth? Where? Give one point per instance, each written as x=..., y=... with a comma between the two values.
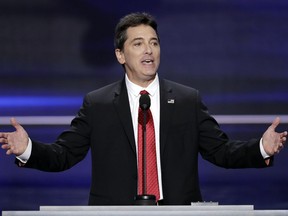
x=148, y=61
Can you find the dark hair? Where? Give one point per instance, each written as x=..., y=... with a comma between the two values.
x=132, y=20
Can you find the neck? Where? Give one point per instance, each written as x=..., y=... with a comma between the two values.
x=142, y=82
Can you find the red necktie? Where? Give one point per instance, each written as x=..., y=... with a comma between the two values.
x=151, y=187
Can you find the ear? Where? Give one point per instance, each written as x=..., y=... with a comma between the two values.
x=120, y=56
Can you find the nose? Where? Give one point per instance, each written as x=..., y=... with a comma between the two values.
x=148, y=49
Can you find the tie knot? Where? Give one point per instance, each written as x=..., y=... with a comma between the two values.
x=144, y=92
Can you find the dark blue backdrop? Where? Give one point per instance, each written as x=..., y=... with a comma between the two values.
x=53, y=52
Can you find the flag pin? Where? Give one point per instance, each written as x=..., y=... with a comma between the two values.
x=170, y=101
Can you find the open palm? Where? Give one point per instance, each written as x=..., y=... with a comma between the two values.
x=14, y=142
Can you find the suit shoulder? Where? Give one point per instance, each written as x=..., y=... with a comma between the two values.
x=178, y=87
x=105, y=90
x=104, y=94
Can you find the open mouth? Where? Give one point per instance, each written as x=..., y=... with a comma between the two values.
x=148, y=61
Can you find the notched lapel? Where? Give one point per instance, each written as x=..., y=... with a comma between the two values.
x=121, y=103
x=167, y=104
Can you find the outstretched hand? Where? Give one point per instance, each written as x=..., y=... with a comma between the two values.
x=273, y=142
x=14, y=142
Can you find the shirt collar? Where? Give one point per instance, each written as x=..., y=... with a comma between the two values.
x=135, y=89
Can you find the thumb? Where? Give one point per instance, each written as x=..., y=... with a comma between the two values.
x=15, y=124
x=275, y=123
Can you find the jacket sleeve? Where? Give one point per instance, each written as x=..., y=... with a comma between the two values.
x=216, y=147
x=70, y=147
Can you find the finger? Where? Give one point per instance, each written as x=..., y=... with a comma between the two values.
x=5, y=146
x=277, y=149
x=283, y=136
x=15, y=124
x=3, y=135
x=275, y=123
x=9, y=152
x=3, y=140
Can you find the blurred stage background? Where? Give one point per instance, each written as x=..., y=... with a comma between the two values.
x=54, y=52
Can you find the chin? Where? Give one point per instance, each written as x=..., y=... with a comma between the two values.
x=151, y=74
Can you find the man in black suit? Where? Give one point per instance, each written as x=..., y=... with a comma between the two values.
x=107, y=121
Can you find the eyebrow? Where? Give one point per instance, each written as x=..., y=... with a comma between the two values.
x=140, y=38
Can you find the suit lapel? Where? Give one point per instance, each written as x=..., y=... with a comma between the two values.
x=121, y=103
x=167, y=100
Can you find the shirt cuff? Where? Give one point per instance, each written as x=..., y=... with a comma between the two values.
x=23, y=158
x=263, y=153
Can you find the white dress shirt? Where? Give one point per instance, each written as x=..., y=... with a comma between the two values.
x=154, y=92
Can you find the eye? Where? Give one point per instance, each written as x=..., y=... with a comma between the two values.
x=137, y=44
x=154, y=43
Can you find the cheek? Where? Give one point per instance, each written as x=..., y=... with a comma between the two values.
x=133, y=59
x=158, y=52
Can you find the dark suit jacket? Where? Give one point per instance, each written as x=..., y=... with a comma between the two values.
x=104, y=124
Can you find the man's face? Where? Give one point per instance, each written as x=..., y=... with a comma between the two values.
x=140, y=54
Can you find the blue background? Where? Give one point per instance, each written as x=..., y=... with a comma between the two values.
x=53, y=52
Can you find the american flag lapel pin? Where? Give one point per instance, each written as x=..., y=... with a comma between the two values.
x=170, y=101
